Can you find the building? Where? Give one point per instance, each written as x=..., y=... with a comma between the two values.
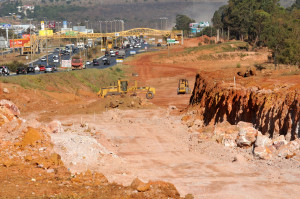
x=198, y=27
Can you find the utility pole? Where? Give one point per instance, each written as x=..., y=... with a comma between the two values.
x=31, y=50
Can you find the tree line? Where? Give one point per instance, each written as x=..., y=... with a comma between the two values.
x=263, y=23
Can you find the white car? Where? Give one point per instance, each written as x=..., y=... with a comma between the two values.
x=113, y=54
x=37, y=69
x=88, y=62
x=55, y=59
x=43, y=59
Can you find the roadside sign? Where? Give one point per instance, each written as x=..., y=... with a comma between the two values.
x=119, y=60
x=160, y=40
x=66, y=63
x=132, y=52
x=117, y=34
x=103, y=49
x=6, y=25
x=152, y=39
x=176, y=42
x=171, y=41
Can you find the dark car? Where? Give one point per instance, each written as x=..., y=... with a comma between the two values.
x=106, y=53
x=159, y=45
x=95, y=62
x=30, y=69
x=42, y=68
x=106, y=61
x=55, y=68
x=21, y=70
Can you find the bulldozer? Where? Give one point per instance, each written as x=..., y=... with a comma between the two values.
x=183, y=87
x=122, y=87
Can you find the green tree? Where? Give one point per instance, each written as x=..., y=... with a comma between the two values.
x=183, y=22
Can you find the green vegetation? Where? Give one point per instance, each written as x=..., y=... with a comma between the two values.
x=70, y=81
x=12, y=66
x=183, y=22
x=263, y=23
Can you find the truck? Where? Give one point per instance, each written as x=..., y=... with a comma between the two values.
x=90, y=43
x=122, y=53
x=80, y=45
x=77, y=63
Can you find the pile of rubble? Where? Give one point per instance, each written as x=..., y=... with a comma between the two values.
x=244, y=135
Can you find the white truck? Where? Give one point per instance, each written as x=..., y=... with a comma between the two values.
x=80, y=45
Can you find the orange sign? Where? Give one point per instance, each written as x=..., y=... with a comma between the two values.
x=18, y=43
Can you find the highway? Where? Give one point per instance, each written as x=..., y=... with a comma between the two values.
x=113, y=61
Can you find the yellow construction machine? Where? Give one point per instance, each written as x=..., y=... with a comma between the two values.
x=183, y=87
x=122, y=87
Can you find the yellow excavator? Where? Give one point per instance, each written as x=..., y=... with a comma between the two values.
x=122, y=87
x=183, y=87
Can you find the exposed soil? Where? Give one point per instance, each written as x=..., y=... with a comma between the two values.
x=131, y=137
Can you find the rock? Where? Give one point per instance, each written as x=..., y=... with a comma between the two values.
x=50, y=170
x=143, y=187
x=189, y=196
x=55, y=127
x=289, y=150
x=31, y=137
x=263, y=152
x=279, y=141
x=247, y=134
x=5, y=90
x=226, y=134
x=33, y=123
x=135, y=183
x=13, y=109
x=262, y=140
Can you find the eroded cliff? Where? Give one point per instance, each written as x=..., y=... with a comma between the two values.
x=274, y=112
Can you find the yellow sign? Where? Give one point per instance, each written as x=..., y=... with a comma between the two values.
x=46, y=33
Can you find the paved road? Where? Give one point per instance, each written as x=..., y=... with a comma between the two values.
x=101, y=65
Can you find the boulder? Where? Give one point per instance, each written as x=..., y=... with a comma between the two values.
x=226, y=134
x=264, y=152
x=12, y=108
x=5, y=90
x=247, y=134
x=55, y=127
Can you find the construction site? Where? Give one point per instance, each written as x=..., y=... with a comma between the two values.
x=219, y=122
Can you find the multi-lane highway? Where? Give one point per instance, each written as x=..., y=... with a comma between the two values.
x=113, y=60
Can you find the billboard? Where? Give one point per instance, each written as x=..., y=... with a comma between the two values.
x=42, y=25
x=51, y=24
x=46, y=33
x=65, y=24
x=66, y=63
x=18, y=43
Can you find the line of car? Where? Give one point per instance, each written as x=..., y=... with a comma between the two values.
x=35, y=69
